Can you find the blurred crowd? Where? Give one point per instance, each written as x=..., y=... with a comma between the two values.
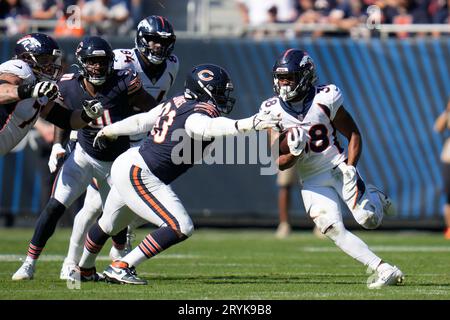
x=118, y=17
x=345, y=14
x=74, y=17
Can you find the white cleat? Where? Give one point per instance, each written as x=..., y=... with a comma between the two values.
x=386, y=202
x=66, y=269
x=388, y=277
x=25, y=272
x=283, y=230
x=115, y=254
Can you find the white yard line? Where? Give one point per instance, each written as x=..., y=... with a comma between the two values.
x=55, y=257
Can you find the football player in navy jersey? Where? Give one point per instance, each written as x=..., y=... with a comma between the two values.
x=157, y=67
x=118, y=91
x=142, y=176
x=28, y=89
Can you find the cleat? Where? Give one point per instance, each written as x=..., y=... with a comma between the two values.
x=85, y=275
x=25, y=272
x=386, y=202
x=283, y=230
x=119, y=272
x=388, y=277
x=116, y=254
x=66, y=269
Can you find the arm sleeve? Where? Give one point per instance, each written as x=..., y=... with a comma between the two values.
x=139, y=123
x=201, y=127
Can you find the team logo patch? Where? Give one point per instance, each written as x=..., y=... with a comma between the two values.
x=205, y=75
x=306, y=59
x=29, y=42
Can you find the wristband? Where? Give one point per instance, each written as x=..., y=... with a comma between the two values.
x=24, y=91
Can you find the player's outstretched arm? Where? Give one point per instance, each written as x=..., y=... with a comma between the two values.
x=72, y=119
x=200, y=126
x=12, y=89
x=139, y=123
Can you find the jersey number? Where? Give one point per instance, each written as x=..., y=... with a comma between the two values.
x=163, y=123
x=103, y=121
x=319, y=138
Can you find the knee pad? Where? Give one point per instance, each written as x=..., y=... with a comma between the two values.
x=335, y=230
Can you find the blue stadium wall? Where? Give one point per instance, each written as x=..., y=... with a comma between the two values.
x=394, y=89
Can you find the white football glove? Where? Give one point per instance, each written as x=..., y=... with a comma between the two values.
x=261, y=120
x=265, y=120
x=297, y=139
x=45, y=89
x=350, y=179
x=58, y=152
x=93, y=108
x=102, y=138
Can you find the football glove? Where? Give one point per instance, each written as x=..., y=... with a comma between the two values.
x=297, y=139
x=45, y=89
x=58, y=153
x=265, y=120
x=102, y=138
x=92, y=109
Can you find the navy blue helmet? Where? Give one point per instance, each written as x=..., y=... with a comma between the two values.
x=212, y=84
x=155, y=38
x=42, y=54
x=96, y=59
x=297, y=67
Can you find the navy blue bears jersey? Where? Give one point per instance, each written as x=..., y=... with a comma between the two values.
x=159, y=146
x=114, y=98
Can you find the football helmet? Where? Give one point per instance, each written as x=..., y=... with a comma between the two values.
x=42, y=54
x=96, y=59
x=212, y=84
x=297, y=72
x=155, y=38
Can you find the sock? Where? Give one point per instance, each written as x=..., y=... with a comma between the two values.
x=154, y=243
x=120, y=239
x=95, y=240
x=352, y=245
x=45, y=227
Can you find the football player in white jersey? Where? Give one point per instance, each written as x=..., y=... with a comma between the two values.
x=157, y=67
x=27, y=91
x=313, y=115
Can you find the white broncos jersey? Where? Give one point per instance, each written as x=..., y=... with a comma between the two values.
x=323, y=151
x=17, y=118
x=157, y=85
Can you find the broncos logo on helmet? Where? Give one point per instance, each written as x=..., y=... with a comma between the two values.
x=42, y=54
x=155, y=38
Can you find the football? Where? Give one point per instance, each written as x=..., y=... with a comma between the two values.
x=282, y=142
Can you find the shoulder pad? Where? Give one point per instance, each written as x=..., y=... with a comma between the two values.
x=19, y=68
x=331, y=96
x=270, y=103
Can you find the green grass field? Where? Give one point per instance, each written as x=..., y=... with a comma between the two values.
x=242, y=264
